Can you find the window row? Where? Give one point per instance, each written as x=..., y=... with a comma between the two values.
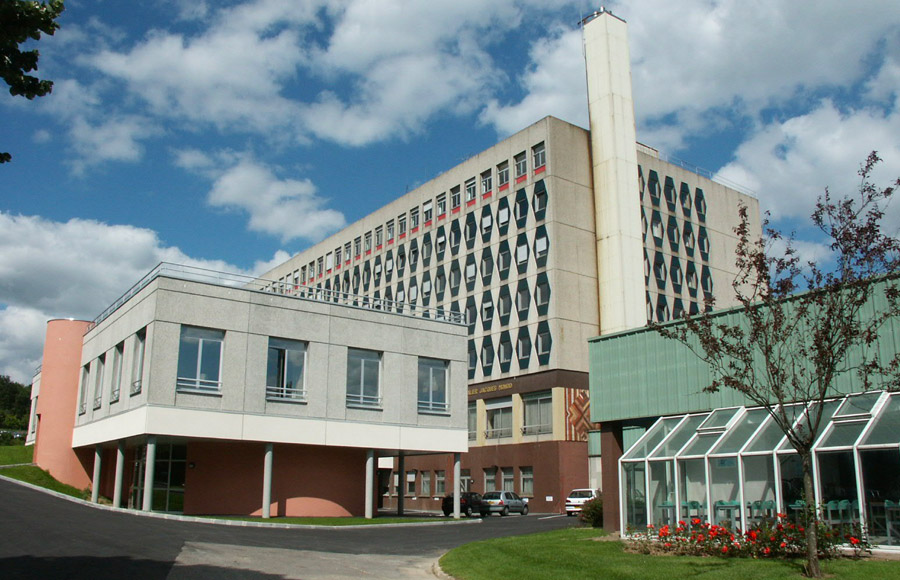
x=670, y=276
x=679, y=236
x=502, y=349
x=690, y=202
x=94, y=374
x=433, y=483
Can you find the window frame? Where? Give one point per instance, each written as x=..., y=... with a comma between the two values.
x=279, y=391
x=537, y=403
x=206, y=337
x=360, y=399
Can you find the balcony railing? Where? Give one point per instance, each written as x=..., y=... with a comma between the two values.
x=285, y=394
x=498, y=433
x=366, y=401
x=536, y=429
x=432, y=407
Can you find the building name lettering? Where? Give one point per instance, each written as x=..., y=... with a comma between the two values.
x=491, y=389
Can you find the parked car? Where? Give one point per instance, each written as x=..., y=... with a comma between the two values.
x=576, y=499
x=469, y=503
x=502, y=502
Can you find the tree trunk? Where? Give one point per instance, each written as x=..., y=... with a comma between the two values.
x=813, y=569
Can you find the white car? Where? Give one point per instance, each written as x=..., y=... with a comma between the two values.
x=576, y=499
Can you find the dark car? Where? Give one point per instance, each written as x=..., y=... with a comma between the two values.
x=469, y=503
x=502, y=502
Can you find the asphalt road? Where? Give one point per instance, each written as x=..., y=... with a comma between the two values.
x=42, y=536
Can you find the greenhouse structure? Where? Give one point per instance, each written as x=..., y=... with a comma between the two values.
x=734, y=466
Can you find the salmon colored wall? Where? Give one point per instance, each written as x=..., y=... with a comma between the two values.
x=57, y=405
x=306, y=480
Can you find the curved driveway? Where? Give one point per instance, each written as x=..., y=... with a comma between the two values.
x=42, y=536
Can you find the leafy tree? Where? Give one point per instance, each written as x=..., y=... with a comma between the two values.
x=21, y=20
x=806, y=329
x=15, y=404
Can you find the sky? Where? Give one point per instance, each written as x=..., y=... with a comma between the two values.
x=232, y=135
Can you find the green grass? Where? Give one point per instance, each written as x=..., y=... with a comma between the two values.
x=570, y=553
x=333, y=521
x=37, y=476
x=13, y=454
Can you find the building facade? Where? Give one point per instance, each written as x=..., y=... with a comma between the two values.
x=555, y=235
x=225, y=399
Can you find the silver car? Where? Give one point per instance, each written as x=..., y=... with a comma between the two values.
x=502, y=502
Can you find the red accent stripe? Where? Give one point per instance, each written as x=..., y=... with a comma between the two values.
x=337, y=266
x=426, y=224
x=487, y=195
x=470, y=203
x=539, y=169
x=504, y=187
x=455, y=210
x=391, y=241
x=368, y=252
x=414, y=230
x=403, y=235
x=378, y=247
x=442, y=216
x=521, y=178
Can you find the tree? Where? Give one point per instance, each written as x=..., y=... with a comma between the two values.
x=21, y=20
x=15, y=404
x=806, y=329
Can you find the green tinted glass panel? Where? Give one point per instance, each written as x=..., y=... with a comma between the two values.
x=843, y=434
x=719, y=418
x=738, y=435
x=680, y=436
x=887, y=427
x=701, y=445
x=662, y=428
x=858, y=404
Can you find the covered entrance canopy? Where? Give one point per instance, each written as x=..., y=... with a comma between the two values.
x=734, y=466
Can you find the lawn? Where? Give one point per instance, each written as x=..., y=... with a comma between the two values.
x=334, y=521
x=13, y=454
x=37, y=476
x=571, y=553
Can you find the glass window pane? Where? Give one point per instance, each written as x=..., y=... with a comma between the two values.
x=681, y=435
x=652, y=438
x=719, y=418
x=843, y=434
x=887, y=428
x=771, y=434
x=210, y=358
x=738, y=435
x=858, y=404
x=701, y=444
x=187, y=357
x=827, y=411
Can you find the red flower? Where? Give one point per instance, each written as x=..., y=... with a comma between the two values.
x=681, y=523
x=724, y=549
x=782, y=515
x=753, y=534
x=668, y=545
x=783, y=544
x=767, y=550
x=696, y=521
x=854, y=541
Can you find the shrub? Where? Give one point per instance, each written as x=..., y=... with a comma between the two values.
x=592, y=512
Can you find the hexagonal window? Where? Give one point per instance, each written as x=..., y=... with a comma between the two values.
x=470, y=273
x=662, y=309
x=413, y=292
x=470, y=231
x=487, y=310
x=539, y=203
x=660, y=272
x=523, y=300
x=644, y=224
x=694, y=308
x=678, y=309
x=706, y=282
x=455, y=237
x=700, y=204
x=649, y=308
x=455, y=278
x=673, y=233
x=401, y=260
x=473, y=359
x=487, y=224
x=388, y=267
x=542, y=294
x=654, y=188
x=503, y=216
x=346, y=284
x=440, y=243
x=520, y=209
x=504, y=260
x=366, y=276
x=471, y=314
x=541, y=246
x=646, y=267
x=703, y=244
x=641, y=183
x=675, y=274
x=487, y=266
x=455, y=314
x=388, y=298
x=504, y=305
x=656, y=228
x=440, y=283
x=691, y=279
x=426, y=250
x=523, y=347
x=504, y=351
x=377, y=270
x=686, y=202
x=400, y=297
x=688, y=238
x=543, y=342
x=487, y=355
x=413, y=255
x=670, y=194
x=522, y=253
x=427, y=288
x=356, y=279
x=337, y=284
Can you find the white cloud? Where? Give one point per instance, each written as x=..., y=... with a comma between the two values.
x=21, y=342
x=289, y=208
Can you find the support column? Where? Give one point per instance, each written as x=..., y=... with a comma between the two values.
x=149, y=469
x=401, y=493
x=267, y=483
x=120, y=472
x=95, y=482
x=610, y=453
x=370, y=483
x=456, y=474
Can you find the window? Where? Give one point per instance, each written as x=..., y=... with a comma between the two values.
x=503, y=215
x=137, y=361
x=539, y=155
x=329, y=261
x=471, y=272
x=503, y=259
x=337, y=256
x=432, y=385
x=368, y=244
x=442, y=204
x=526, y=487
x=427, y=212
x=379, y=236
x=542, y=293
x=523, y=299
x=470, y=190
x=473, y=421
x=426, y=482
x=508, y=478
x=390, y=230
x=487, y=222
x=486, y=182
x=116, y=386
x=538, y=413
x=200, y=359
x=413, y=218
x=505, y=351
x=346, y=253
x=504, y=304
x=499, y=418
x=362, y=378
x=441, y=240
x=521, y=165
x=487, y=308
x=85, y=379
x=284, y=372
x=439, y=482
x=490, y=479
x=471, y=314
x=303, y=275
x=410, y=483
x=454, y=197
x=401, y=225
x=522, y=252
x=543, y=342
x=503, y=174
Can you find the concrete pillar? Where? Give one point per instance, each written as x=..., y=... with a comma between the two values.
x=610, y=453
x=267, y=483
x=95, y=482
x=370, y=483
x=401, y=493
x=120, y=472
x=456, y=482
x=149, y=469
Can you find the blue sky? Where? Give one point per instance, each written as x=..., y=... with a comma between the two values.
x=231, y=135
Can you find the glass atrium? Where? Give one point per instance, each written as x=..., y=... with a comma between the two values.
x=735, y=467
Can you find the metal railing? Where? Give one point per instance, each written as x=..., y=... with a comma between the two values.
x=286, y=394
x=302, y=292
